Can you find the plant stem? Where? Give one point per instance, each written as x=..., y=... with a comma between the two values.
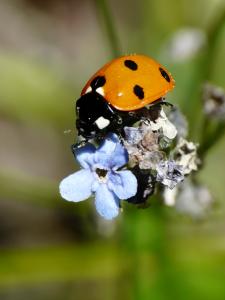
x=205, y=67
x=210, y=140
x=105, y=14
x=146, y=238
x=213, y=36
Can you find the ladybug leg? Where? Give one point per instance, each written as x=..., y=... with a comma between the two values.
x=160, y=102
x=152, y=112
x=168, y=104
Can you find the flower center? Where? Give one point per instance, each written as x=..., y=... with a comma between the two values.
x=101, y=173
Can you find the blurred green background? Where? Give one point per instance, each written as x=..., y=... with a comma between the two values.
x=52, y=249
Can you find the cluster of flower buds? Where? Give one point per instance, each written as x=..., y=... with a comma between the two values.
x=159, y=154
x=152, y=155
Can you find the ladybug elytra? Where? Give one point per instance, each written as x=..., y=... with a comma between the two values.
x=119, y=94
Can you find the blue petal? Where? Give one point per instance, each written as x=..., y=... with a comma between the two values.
x=111, y=154
x=107, y=204
x=123, y=184
x=109, y=144
x=85, y=155
x=119, y=157
x=77, y=187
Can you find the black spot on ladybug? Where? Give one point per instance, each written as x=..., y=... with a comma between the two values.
x=130, y=64
x=138, y=91
x=97, y=82
x=164, y=74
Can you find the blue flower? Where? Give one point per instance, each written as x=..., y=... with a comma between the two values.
x=100, y=176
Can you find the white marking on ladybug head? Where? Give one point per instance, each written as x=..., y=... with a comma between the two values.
x=101, y=122
x=88, y=90
x=100, y=91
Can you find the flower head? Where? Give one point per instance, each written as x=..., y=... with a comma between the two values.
x=185, y=154
x=146, y=142
x=189, y=198
x=163, y=123
x=185, y=43
x=100, y=176
x=214, y=101
x=193, y=199
x=169, y=173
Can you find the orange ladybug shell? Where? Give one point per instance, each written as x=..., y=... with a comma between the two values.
x=132, y=82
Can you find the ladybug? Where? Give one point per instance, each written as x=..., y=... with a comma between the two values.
x=119, y=94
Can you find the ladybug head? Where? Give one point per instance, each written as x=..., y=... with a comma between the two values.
x=94, y=115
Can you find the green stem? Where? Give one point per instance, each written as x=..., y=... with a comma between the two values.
x=105, y=14
x=211, y=139
x=213, y=36
x=146, y=239
x=205, y=67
